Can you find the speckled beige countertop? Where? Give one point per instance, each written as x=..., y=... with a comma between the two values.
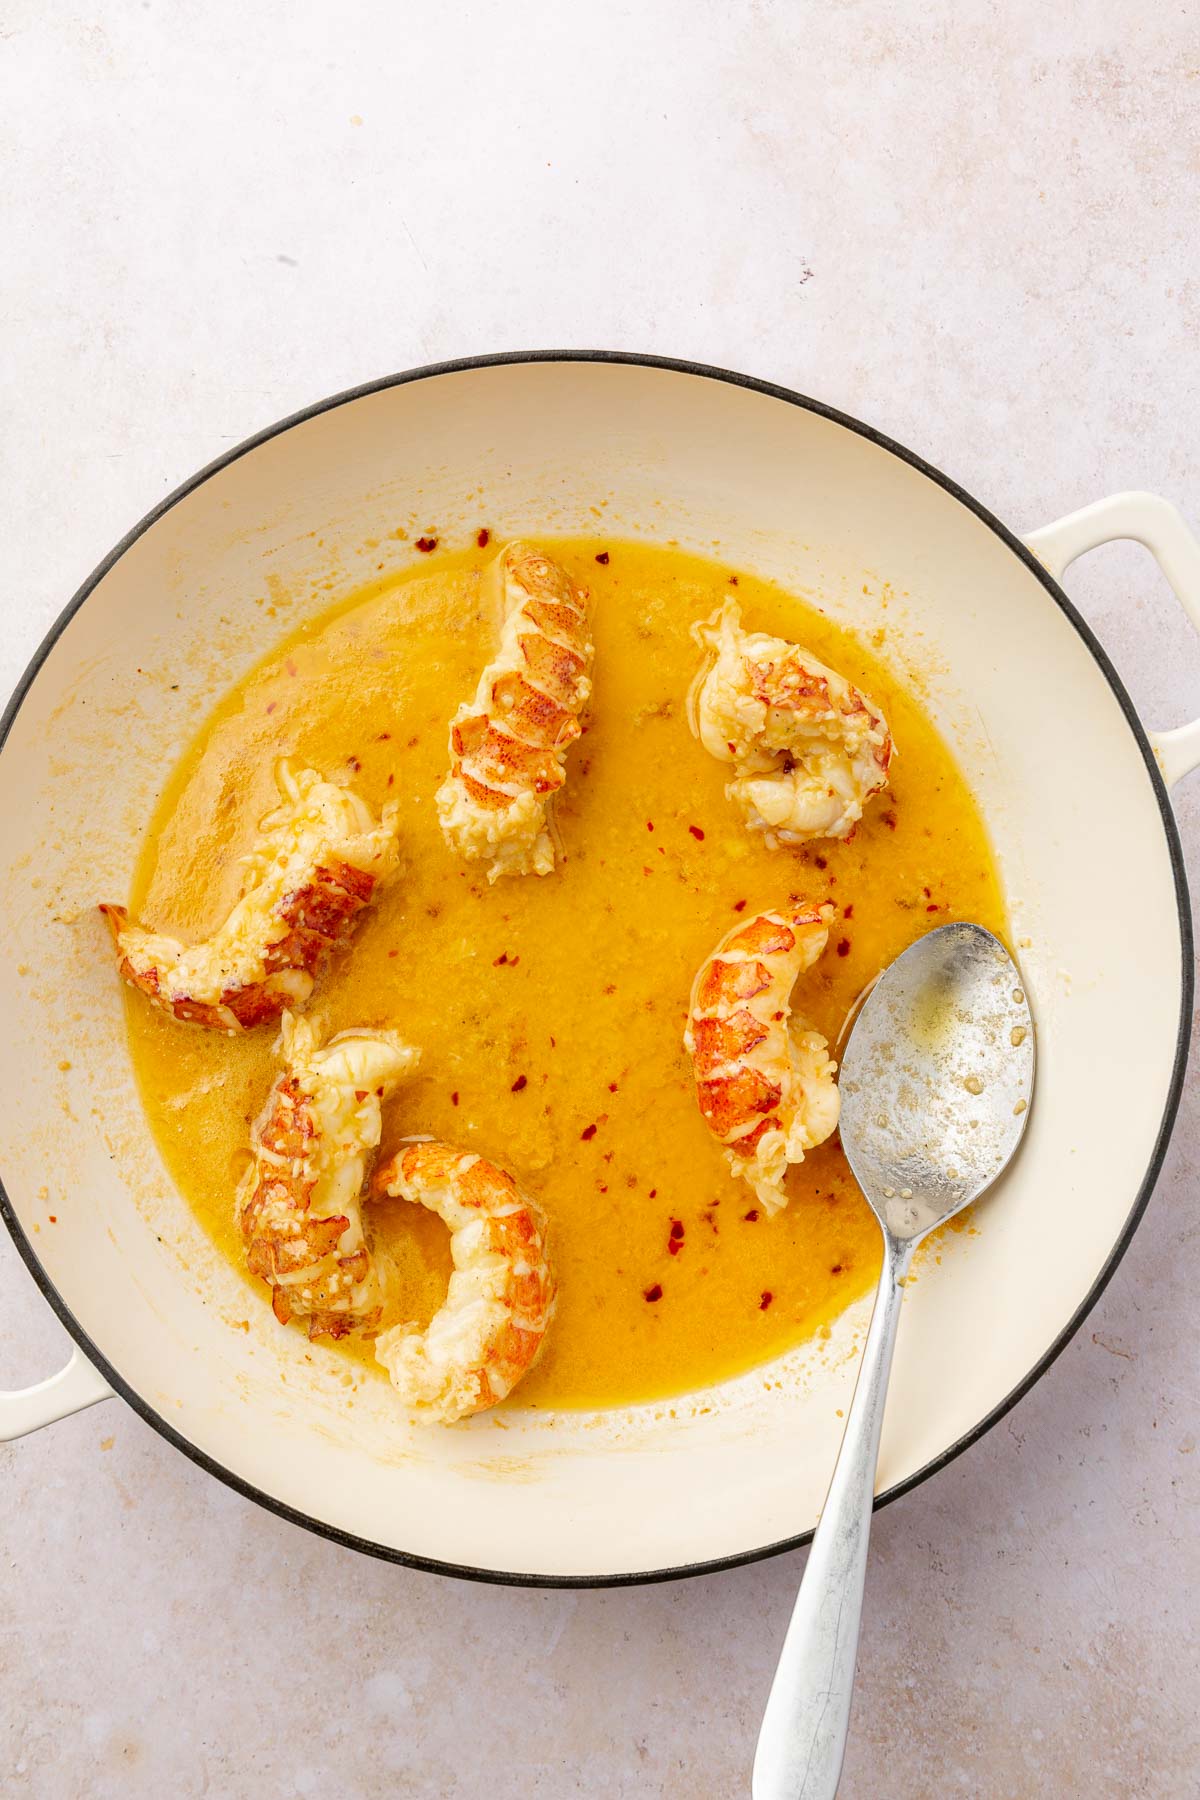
x=972, y=225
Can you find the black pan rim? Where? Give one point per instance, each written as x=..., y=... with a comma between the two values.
x=772, y=390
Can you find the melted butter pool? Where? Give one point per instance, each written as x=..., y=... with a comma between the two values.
x=550, y=1012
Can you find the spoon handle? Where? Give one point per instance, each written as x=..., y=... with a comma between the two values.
x=803, y=1736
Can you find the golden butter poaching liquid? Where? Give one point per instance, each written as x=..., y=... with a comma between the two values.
x=550, y=1011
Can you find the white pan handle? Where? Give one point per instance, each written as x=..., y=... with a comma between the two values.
x=73, y=1388
x=1155, y=523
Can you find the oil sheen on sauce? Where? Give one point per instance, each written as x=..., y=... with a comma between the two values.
x=550, y=1011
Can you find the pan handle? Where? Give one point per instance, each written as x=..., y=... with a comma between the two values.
x=74, y=1387
x=1154, y=522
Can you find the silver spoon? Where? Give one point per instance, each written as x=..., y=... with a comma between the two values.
x=936, y=1084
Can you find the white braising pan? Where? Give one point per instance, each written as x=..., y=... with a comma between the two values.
x=1073, y=788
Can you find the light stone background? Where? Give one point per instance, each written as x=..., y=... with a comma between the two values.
x=973, y=225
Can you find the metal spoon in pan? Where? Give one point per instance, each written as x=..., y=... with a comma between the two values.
x=936, y=1083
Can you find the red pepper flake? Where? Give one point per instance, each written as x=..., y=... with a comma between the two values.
x=649, y=824
x=391, y=779
x=847, y=912
x=653, y=1193
x=820, y=862
x=383, y=737
x=602, y=556
x=766, y=1300
x=519, y=1083
x=927, y=893
x=271, y=705
x=393, y=953
x=426, y=544
x=843, y=948
x=675, y=1241
x=776, y=1017
x=696, y=833
x=933, y=907
x=360, y=1094
x=653, y=1293
x=612, y=1087
x=454, y=1098
x=354, y=763
x=53, y=1217
x=499, y=961
x=733, y=581
x=836, y=1269
x=889, y=819
x=739, y=906
x=483, y=537
x=553, y=1044
x=603, y=1186
x=588, y=1133
x=752, y=1216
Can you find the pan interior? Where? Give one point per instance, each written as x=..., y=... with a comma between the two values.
x=722, y=469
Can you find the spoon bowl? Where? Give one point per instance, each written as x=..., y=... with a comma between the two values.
x=937, y=1079
x=936, y=1086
